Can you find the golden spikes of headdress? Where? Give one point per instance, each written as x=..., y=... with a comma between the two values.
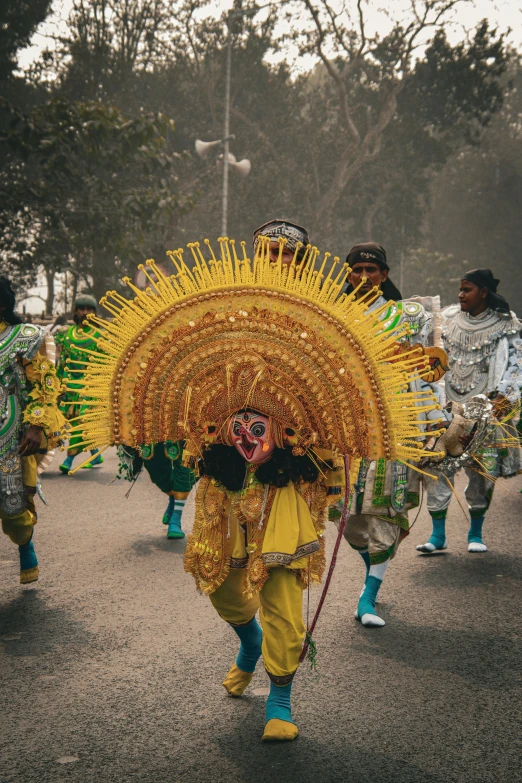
x=171, y=356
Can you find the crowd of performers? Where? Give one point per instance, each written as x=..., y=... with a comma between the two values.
x=267, y=479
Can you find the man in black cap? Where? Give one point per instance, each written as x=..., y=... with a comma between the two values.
x=481, y=337
x=368, y=260
x=383, y=491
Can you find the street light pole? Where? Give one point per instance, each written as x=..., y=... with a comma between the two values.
x=226, y=134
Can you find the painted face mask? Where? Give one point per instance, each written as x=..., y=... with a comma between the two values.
x=251, y=434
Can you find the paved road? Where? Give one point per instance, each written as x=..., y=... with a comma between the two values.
x=111, y=664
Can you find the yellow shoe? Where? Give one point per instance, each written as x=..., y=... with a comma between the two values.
x=280, y=731
x=29, y=575
x=236, y=681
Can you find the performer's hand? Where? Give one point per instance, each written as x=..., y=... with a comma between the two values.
x=466, y=440
x=31, y=441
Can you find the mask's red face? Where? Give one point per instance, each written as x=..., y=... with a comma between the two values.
x=251, y=434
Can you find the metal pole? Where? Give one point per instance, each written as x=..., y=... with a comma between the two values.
x=401, y=262
x=224, y=221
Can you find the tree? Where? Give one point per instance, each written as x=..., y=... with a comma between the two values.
x=350, y=148
x=88, y=190
x=18, y=21
x=375, y=86
x=476, y=199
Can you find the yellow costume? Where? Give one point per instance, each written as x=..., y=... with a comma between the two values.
x=229, y=339
x=241, y=557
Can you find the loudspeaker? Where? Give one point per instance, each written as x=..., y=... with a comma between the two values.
x=204, y=147
x=243, y=167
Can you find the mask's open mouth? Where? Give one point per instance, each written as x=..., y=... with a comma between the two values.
x=247, y=446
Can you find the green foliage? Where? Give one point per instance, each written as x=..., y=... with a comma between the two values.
x=88, y=189
x=364, y=145
x=476, y=199
x=452, y=85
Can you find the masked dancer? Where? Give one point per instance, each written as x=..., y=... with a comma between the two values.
x=163, y=461
x=273, y=378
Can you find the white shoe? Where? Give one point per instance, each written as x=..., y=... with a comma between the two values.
x=370, y=620
x=428, y=548
x=475, y=547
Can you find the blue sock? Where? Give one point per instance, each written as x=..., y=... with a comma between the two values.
x=366, y=557
x=475, y=530
x=28, y=557
x=438, y=534
x=97, y=460
x=367, y=600
x=278, y=703
x=175, y=517
x=251, y=637
x=168, y=511
x=174, y=529
x=68, y=461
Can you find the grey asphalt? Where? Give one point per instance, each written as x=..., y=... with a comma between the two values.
x=111, y=663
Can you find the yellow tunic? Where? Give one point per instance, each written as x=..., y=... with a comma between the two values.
x=255, y=550
x=257, y=529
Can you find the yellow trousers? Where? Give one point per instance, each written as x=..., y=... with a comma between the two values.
x=20, y=527
x=280, y=605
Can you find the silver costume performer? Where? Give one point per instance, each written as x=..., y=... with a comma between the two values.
x=485, y=356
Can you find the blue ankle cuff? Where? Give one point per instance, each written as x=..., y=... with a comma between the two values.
x=438, y=534
x=366, y=557
x=28, y=557
x=367, y=600
x=278, y=703
x=175, y=519
x=251, y=637
x=475, y=530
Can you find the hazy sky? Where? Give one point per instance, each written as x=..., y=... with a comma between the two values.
x=504, y=13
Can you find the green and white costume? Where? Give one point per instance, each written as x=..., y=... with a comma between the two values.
x=384, y=491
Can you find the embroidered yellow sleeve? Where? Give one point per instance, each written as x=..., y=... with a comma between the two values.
x=42, y=408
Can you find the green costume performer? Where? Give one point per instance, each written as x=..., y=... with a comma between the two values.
x=30, y=424
x=162, y=461
x=72, y=342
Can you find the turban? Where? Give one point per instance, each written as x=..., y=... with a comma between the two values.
x=483, y=278
x=286, y=229
x=85, y=300
x=371, y=251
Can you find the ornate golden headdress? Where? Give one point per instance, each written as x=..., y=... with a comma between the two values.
x=228, y=333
